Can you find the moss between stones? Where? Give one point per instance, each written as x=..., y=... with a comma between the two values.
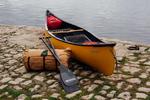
x=148, y=98
x=147, y=49
x=124, y=60
x=14, y=93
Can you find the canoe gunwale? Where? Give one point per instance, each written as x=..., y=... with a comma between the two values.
x=94, y=45
x=104, y=44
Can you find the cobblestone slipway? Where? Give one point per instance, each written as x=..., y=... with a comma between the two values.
x=130, y=81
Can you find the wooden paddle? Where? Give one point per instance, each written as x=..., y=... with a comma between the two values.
x=67, y=78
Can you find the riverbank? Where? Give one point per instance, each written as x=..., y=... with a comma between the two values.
x=131, y=79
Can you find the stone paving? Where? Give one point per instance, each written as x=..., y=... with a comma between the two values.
x=130, y=81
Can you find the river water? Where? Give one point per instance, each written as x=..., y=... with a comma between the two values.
x=120, y=19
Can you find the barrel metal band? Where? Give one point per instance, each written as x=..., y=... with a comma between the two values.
x=44, y=63
x=29, y=68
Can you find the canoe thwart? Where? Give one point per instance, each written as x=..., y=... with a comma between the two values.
x=69, y=31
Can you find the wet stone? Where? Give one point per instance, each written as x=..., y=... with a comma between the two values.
x=106, y=87
x=147, y=63
x=3, y=86
x=55, y=95
x=103, y=92
x=93, y=75
x=111, y=94
x=119, y=85
x=53, y=90
x=98, y=97
x=57, y=76
x=4, y=48
x=54, y=85
x=17, y=87
x=21, y=97
x=5, y=80
x=92, y=87
x=12, y=68
x=142, y=60
x=50, y=81
x=12, y=62
x=6, y=93
x=134, y=99
x=35, y=88
x=132, y=70
x=7, y=55
x=144, y=89
x=17, y=56
x=143, y=75
x=4, y=75
x=27, y=83
x=7, y=67
x=45, y=99
x=98, y=82
x=87, y=97
x=19, y=80
x=117, y=99
x=84, y=73
x=86, y=87
x=39, y=78
x=134, y=80
x=1, y=67
x=13, y=52
x=6, y=60
x=141, y=95
x=129, y=87
x=125, y=95
x=85, y=81
x=27, y=75
x=13, y=82
x=148, y=83
x=36, y=96
x=21, y=70
x=76, y=71
x=71, y=95
x=13, y=74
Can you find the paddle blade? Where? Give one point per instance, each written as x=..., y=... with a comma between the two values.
x=67, y=76
x=70, y=89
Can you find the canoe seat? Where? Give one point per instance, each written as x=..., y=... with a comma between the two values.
x=79, y=38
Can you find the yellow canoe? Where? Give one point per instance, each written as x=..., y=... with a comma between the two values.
x=85, y=46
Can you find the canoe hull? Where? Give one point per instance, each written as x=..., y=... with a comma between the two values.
x=102, y=59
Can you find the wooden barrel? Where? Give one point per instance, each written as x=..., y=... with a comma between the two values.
x=40, y=59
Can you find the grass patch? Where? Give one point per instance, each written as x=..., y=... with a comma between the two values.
x=148, y=98
x=52, y=98
x=136, y=54
x=14, y=93
x=141, y=64
x=124, y=60
x=28, y=98
x=147, y=49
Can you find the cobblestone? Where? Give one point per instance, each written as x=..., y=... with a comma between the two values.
x=144, y=89
x=73, y=94
x=134, y=80
x=129, y=82
x=141, y=95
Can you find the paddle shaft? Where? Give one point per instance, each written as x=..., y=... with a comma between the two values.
x=68, y=79
x=52, y=50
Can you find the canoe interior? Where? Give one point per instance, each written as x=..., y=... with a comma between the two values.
x=73, y=34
